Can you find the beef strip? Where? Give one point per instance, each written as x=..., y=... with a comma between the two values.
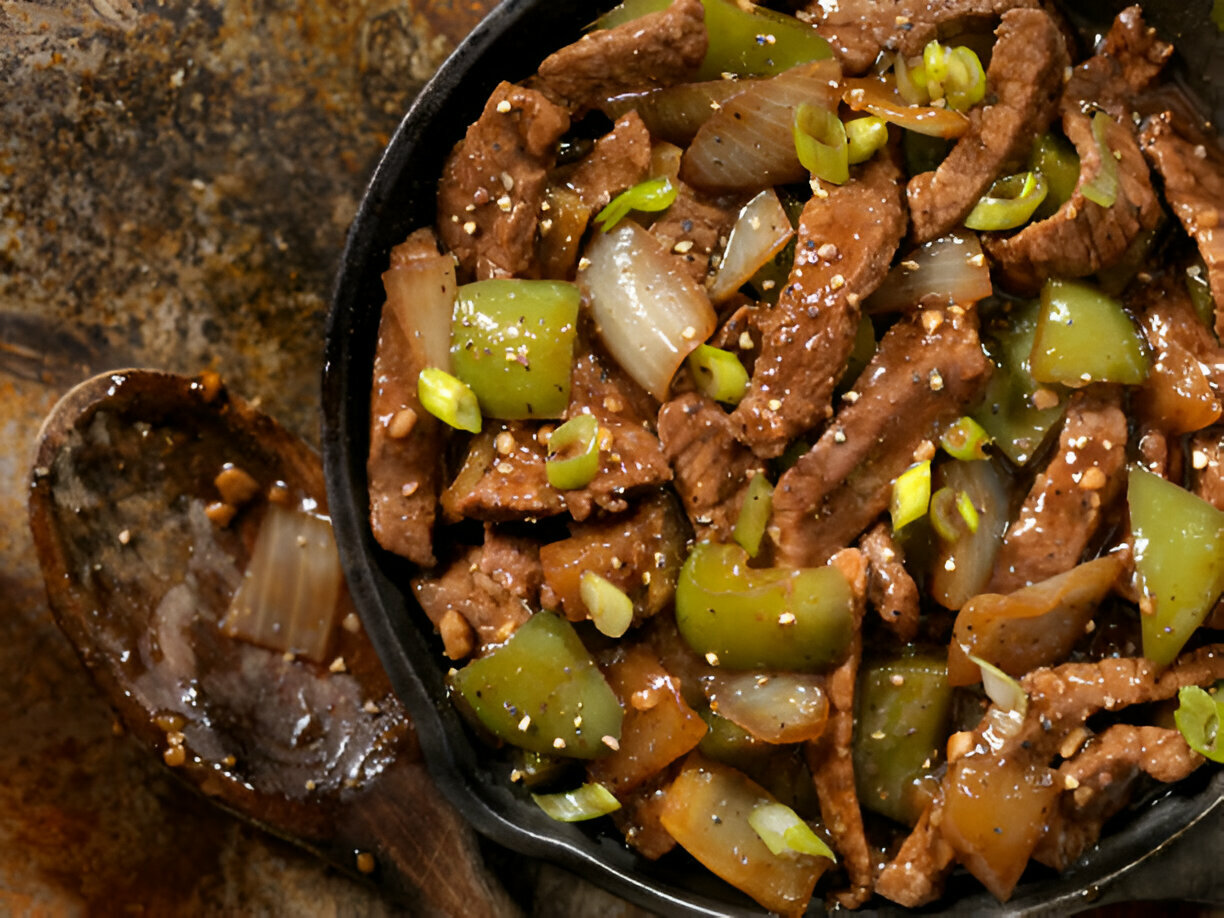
x=928, y=367
x=846, y=240
x=829, y=757
x=403, y=467
x=493, y=183
x=915, y=875
x=1191, y=165
x=1099, y=780
x=619, y=160
x=640, y=552
x=859, y=30
x=1069, y=501
x=492, y=588
x=1025, y=81
x=693, y=228
x=658, y=49
x=503, y=477
x=1207, y=465
x=711, y=468
x=1083, y=237
x=891, y=590
x=1169, y=317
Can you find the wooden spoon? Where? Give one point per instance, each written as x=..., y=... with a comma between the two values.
x=139, y=576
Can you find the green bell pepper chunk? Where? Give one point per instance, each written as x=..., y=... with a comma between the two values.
x=1179, y=556
x=1199, y=717
x=798, y=619
x=512, y=341
x=901, y=722
x=542, y=691
x=1015, y=424
x=744, y=40
x=1056, y=159
x=1085, y=336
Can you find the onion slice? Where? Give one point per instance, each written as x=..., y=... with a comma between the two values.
x=948, y=271
x=649, y=315
x=421, y=296
x=748, y=144
x=675, y=113
x=881, y=99
x=287, y=599
x=776, y=708
x=761, y=230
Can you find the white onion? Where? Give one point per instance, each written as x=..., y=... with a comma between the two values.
x=421, y=296
x=774, y=708
x=760, y=231
x=749, y=143
x=649, y=315
x=287, y=599
x=947, y=271
x=1006, y=715
x=675, y=113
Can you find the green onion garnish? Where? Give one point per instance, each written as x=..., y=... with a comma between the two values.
x=965, y=84
x=1010, y=202
x=943, y=506
x=651, y=195
x=1199, y=717
x=573, y=453
x=965, y=440
x=607, y=605
x=865, y=137
x=820, y=143
x=586, y=802
x=911, y=494
x=718, y=374
x=449, y=399
x=968, y=512
x=785, y=834
x=754, y=514
x=1103, y=189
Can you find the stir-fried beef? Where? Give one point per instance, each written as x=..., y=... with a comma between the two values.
x=503, y=478
x=846, y=240
x=1026, y=79
x=490, y=193
x=1207, y=466
x=1129, y=60
x=491, y=589
x=693, y=228
x=658, y=49
x=1192, y=167
x=859, y=30
x=711, y=468
x=927, y=368
x=1170, y=322
x=404, y=465
x=639, y=551
x=1083, y=237
x=891, y=590
x=1069, y=501
x=619, y=160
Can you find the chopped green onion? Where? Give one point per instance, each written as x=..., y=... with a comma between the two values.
x=785, y=834
x=589, y=801
x=1103, y=189
x=943, y=506
x=1002, y=689
x=965, y=440
x=718, y=374
x=821, y=144
x=1010, y=202
x=651, y=195
x=911, y=83
x=865, y=137
x=1199, y=717
x=578, y=438
x=935, y=63
x=754, y=514
x=968, y=512
x=911, y=494
x=608, y=606
x=449, y=399
x=965, y=85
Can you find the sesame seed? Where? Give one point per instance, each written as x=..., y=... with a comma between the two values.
x=774, y=404
x=712, y=658
x=503, y=106
x=470, y=227
x=683, y=246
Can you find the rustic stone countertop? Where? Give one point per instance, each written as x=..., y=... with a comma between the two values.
x=176, y=180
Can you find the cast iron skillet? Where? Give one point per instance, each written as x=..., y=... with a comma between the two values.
x=509, y=44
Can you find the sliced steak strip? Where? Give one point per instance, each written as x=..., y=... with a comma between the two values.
x=493, y=183
x=1025, y=80
x=693, y=228
x=1071, y=498
x=859, y=30
x=712, y=469
x=891, y=590
x=619, y=160
x=1207, y=466
x=1192, y=167
x=658, y=49
x=928, y=367
x=502, y=477
x=404, y=466
x=1169, y=318
x=846, y=241
x=1083, y=237
x=915, y=876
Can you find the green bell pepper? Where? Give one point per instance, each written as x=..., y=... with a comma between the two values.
x=1085, y=336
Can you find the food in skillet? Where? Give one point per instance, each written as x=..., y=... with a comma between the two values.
x=808, y=432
